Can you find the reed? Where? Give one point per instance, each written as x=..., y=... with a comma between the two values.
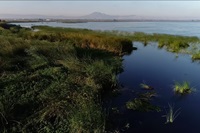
x=171, y=114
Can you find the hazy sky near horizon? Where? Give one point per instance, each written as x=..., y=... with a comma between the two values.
x=183, y=9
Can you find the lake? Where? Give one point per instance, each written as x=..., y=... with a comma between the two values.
x=158, y=68
x=174, y=28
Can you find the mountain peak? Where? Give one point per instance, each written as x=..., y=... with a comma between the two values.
x=97, y=15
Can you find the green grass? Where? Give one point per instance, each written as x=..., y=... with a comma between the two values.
x=182, y=88
x=51, y=84
x=196, y=56
x=172, y=43
x=83, y=38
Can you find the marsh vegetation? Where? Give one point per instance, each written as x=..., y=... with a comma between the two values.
x=54, y=79
x=182, y=88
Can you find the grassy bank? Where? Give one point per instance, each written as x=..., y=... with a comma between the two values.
x=172, y=43
x=52, y=80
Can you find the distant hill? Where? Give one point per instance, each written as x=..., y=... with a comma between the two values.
x=98, y=15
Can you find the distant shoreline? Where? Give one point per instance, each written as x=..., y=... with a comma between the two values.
x=92, y=20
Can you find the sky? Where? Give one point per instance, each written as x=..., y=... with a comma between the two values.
x=182, y=9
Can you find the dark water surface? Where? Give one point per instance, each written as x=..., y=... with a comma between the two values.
x=160, y=69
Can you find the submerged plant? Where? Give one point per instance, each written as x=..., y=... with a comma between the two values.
x=183, y=88
x=146, y=86
x=148, y=95
x=171, y=115
x=142, y=103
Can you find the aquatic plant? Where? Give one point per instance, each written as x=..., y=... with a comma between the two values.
x=183, y=88
x=142, y=103
x=171, y=115
x=146, y=86
x=148, y=95
x=196, y=56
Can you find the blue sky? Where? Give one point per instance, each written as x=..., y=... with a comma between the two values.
x=183, y=9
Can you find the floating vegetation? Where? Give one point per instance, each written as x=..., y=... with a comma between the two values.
x=145, y=86
x=196, y=56
x=171, y=115
x=142, y=103
x=183, y=88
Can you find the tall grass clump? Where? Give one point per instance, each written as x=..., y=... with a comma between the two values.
x=84, y=38
x=171, y=114
x=182, y=88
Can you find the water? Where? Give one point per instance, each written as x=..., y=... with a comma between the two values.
x=174, y=28
x=158, y=68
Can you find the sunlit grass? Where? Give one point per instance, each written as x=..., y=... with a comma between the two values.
x=182, y=88
x=196, y=56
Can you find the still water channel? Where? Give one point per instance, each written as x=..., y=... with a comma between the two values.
x=160, y=69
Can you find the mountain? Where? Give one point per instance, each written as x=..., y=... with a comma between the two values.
x=98, y=15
